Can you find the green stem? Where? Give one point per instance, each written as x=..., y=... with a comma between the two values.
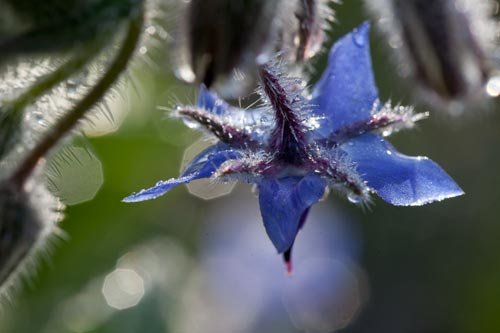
x=70, y=120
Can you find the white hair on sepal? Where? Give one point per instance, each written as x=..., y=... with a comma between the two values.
x=78, y=71
x=363, y=199
x=342, y=176
x=39, y=114
x=397, y=117
x=296, y=91
x=28, y=228
x=29, y=212
x=255, y=119
x=15, y=80
x=245, y=169
x=18, y=75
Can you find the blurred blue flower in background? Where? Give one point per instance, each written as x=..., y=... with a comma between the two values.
x=294, y=147
x=242, y=288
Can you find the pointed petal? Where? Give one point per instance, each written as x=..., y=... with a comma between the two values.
x=287, y=255
x=399, y=179
x=282, y=204
x=346, y=92
x=210, y=101
x=209, y=160
x=161, y=187
x=287, y=258
x=202, y=166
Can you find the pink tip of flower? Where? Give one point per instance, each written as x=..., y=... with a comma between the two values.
x=289, y=268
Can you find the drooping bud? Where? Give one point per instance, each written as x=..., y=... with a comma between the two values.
x=218, y=37
x=58, y=25
x=221, y=43
x=444, y=45
x=43, y=13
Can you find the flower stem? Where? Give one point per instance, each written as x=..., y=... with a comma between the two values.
x=70, y=120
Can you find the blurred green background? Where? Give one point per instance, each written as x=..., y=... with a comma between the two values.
x=426, y=269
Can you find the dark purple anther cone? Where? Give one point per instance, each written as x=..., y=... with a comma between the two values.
x=288, y=138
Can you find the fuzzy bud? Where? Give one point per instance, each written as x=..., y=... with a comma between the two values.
x=219, y=36
x=221, y=43
x=19, y=230
x=444, y=45
x=26, y=218
x=58, y=25
x=43, y=12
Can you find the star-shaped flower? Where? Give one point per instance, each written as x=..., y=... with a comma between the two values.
x=295, y=147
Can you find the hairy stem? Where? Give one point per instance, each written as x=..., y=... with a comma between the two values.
x=12, y=112
x=59, y=75
x=70, y=120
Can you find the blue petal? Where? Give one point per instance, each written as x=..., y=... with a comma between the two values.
x=202, y=166
x=211, y=102
x=399, y=179
x=346, y=92
x=283, y=202
x=209, y=160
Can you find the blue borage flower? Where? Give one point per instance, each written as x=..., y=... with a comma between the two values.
x=294, y=147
